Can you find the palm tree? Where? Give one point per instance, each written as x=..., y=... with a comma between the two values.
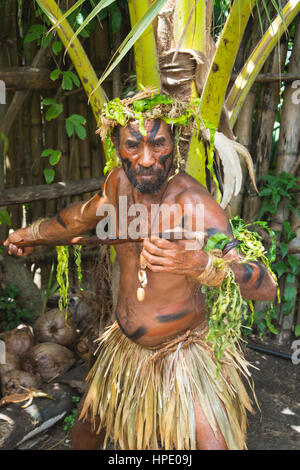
x=175, y=52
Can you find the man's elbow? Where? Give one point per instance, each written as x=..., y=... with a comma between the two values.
x=267, y=292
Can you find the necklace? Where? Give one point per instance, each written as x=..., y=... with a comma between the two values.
x=142, y=274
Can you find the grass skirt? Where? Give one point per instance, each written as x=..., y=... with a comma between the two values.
x=145, y=398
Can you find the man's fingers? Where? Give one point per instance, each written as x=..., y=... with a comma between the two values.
x=162, y=243
x=153, y=248
x=154, y=260
x=15, y=250
x=158, y=269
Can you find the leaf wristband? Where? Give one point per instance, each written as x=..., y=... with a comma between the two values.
x=212, y=276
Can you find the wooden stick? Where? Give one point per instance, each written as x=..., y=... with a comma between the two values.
x=94, y=240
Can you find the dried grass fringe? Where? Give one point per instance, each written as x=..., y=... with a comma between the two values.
x=145, y=398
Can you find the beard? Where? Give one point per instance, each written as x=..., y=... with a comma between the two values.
x=158, y=175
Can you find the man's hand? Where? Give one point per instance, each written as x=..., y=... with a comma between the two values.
x=17, y=236
x=162, y=255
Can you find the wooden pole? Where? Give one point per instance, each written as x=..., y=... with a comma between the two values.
x=46, y=192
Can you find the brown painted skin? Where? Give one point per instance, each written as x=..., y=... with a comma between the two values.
x=173, y=301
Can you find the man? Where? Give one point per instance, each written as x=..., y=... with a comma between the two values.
x=155, y=382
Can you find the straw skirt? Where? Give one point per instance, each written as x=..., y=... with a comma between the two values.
x=145, y=397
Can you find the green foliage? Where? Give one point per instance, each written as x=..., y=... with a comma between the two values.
x=252, y=249
x=54, y=110
x=216, y=242
x=69, y=420
x=62, y=273
x=75, y=123
x=54, y=157
x=69, y=79
x=49, y=175
x=77, y=256
x=227, y=311
x=10, y=308
x=49, y=290
x=5, y=217
x=277, y=188
x=62, y=276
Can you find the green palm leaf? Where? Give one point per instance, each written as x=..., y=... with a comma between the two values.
x=73, y=8
x=132, y=37
x=101, y=5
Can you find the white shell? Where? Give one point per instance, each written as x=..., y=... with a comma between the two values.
x=142, y=276
x=143, y=262
x=140, y=294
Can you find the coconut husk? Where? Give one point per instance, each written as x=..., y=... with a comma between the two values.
x=14, y=380
x=12, y=362
x=19, y=340
x=49, y=360
x=53, y=327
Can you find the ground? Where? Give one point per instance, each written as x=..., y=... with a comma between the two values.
x=275, y=427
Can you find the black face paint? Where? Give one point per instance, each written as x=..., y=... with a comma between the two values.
x=136, y=134
x=159, y=174
x=154, y=130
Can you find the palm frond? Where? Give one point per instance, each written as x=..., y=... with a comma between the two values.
x=101, y=5
x=65, y=15
x=132, y=37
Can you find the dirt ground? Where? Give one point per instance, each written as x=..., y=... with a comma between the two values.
x=275, y=427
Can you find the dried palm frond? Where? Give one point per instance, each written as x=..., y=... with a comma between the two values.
x=228, y=152
x=145, y=398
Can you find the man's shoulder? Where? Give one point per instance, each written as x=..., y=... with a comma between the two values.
x=190, y=190
x=192, y=194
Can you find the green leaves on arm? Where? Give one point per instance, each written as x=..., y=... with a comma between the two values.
x=216, y=241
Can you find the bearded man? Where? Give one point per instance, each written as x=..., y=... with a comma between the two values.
x=156, y=381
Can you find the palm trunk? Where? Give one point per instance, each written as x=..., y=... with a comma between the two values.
x=252, y=67
x=213, y=95
x=145, y=54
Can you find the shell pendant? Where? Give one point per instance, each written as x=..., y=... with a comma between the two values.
x=140, y=293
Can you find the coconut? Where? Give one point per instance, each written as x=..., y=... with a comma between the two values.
x=19, y=340
x=14, y=380
x=54, y=328
x=49, y=360
x=12, y=362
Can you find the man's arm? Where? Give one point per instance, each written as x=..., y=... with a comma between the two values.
x=256, y=283
x=74, y=220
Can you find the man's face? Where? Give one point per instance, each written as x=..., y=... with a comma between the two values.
x=146, y=160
